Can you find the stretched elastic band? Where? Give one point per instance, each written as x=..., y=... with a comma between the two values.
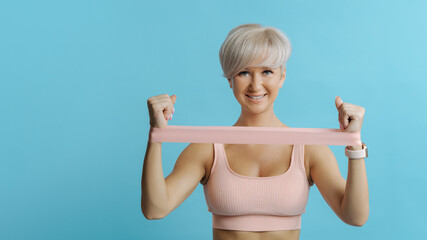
x=254, y=135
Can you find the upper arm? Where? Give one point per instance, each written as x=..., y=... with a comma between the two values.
x=188, y=171
x=326, y=175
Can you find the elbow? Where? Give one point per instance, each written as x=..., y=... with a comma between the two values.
x=356, y=217
x=152, y=215
x=154, y=210
x=358, y=222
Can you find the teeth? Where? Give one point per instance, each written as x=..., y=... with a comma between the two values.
x=256, y=97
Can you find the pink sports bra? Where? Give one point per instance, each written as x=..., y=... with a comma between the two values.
x=247, y=203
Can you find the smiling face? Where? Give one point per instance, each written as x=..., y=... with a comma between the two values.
x=256, y=88
x=253, y=59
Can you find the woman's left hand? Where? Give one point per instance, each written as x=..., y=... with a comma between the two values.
x=350, y=116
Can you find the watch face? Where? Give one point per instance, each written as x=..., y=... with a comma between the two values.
x=366, y=149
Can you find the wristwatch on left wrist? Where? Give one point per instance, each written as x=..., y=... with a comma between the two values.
x=357, y=154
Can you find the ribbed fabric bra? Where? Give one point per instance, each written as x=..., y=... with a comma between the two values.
x=248, y=203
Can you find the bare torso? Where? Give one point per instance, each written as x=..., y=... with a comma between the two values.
x=219, y=234
x=257, y=161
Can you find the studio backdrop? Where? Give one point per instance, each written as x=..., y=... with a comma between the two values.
x=75, y=77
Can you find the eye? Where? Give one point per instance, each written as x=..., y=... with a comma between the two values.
x=268, y=72
x=243, y=73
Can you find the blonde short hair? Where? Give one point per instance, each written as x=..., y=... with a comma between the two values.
x=253, y=45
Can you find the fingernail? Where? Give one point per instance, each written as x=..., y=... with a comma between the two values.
x=171, y=116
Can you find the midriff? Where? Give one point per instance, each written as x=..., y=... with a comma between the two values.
x=220, y=234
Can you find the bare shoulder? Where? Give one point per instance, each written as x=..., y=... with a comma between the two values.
x=312, y=155
x=200, y=149
x=200, y=154
x=316, y=155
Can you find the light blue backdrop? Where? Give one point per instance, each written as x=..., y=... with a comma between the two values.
x=75, y=77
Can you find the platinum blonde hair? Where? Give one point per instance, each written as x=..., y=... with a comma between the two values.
x=253, y=45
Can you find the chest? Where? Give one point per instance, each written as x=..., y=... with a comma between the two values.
x=259, y=160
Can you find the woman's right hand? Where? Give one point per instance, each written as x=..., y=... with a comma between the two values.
x=161, y=108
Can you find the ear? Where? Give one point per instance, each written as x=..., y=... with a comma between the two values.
x=283, y=79
x=230, y=82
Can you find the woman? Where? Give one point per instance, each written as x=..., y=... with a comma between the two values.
x=255, y=191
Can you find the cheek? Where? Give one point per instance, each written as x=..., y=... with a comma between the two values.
x=239, y=85
x=273, y=86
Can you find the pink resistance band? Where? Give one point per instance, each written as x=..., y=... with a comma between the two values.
x=254, y=135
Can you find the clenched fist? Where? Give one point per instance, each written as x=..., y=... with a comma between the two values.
x=350, y=116
x=161, y=109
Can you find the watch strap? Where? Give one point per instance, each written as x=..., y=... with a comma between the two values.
x=356, y=154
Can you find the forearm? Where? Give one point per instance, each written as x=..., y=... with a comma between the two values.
x=153, y=186
x=355, y=202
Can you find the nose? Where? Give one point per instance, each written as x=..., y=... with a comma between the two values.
x=256, y=83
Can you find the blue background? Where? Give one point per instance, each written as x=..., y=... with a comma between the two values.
x=75, y=77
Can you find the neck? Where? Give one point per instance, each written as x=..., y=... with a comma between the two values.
x=264, y=119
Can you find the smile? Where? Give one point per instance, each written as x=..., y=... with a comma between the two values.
x=256, y=99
